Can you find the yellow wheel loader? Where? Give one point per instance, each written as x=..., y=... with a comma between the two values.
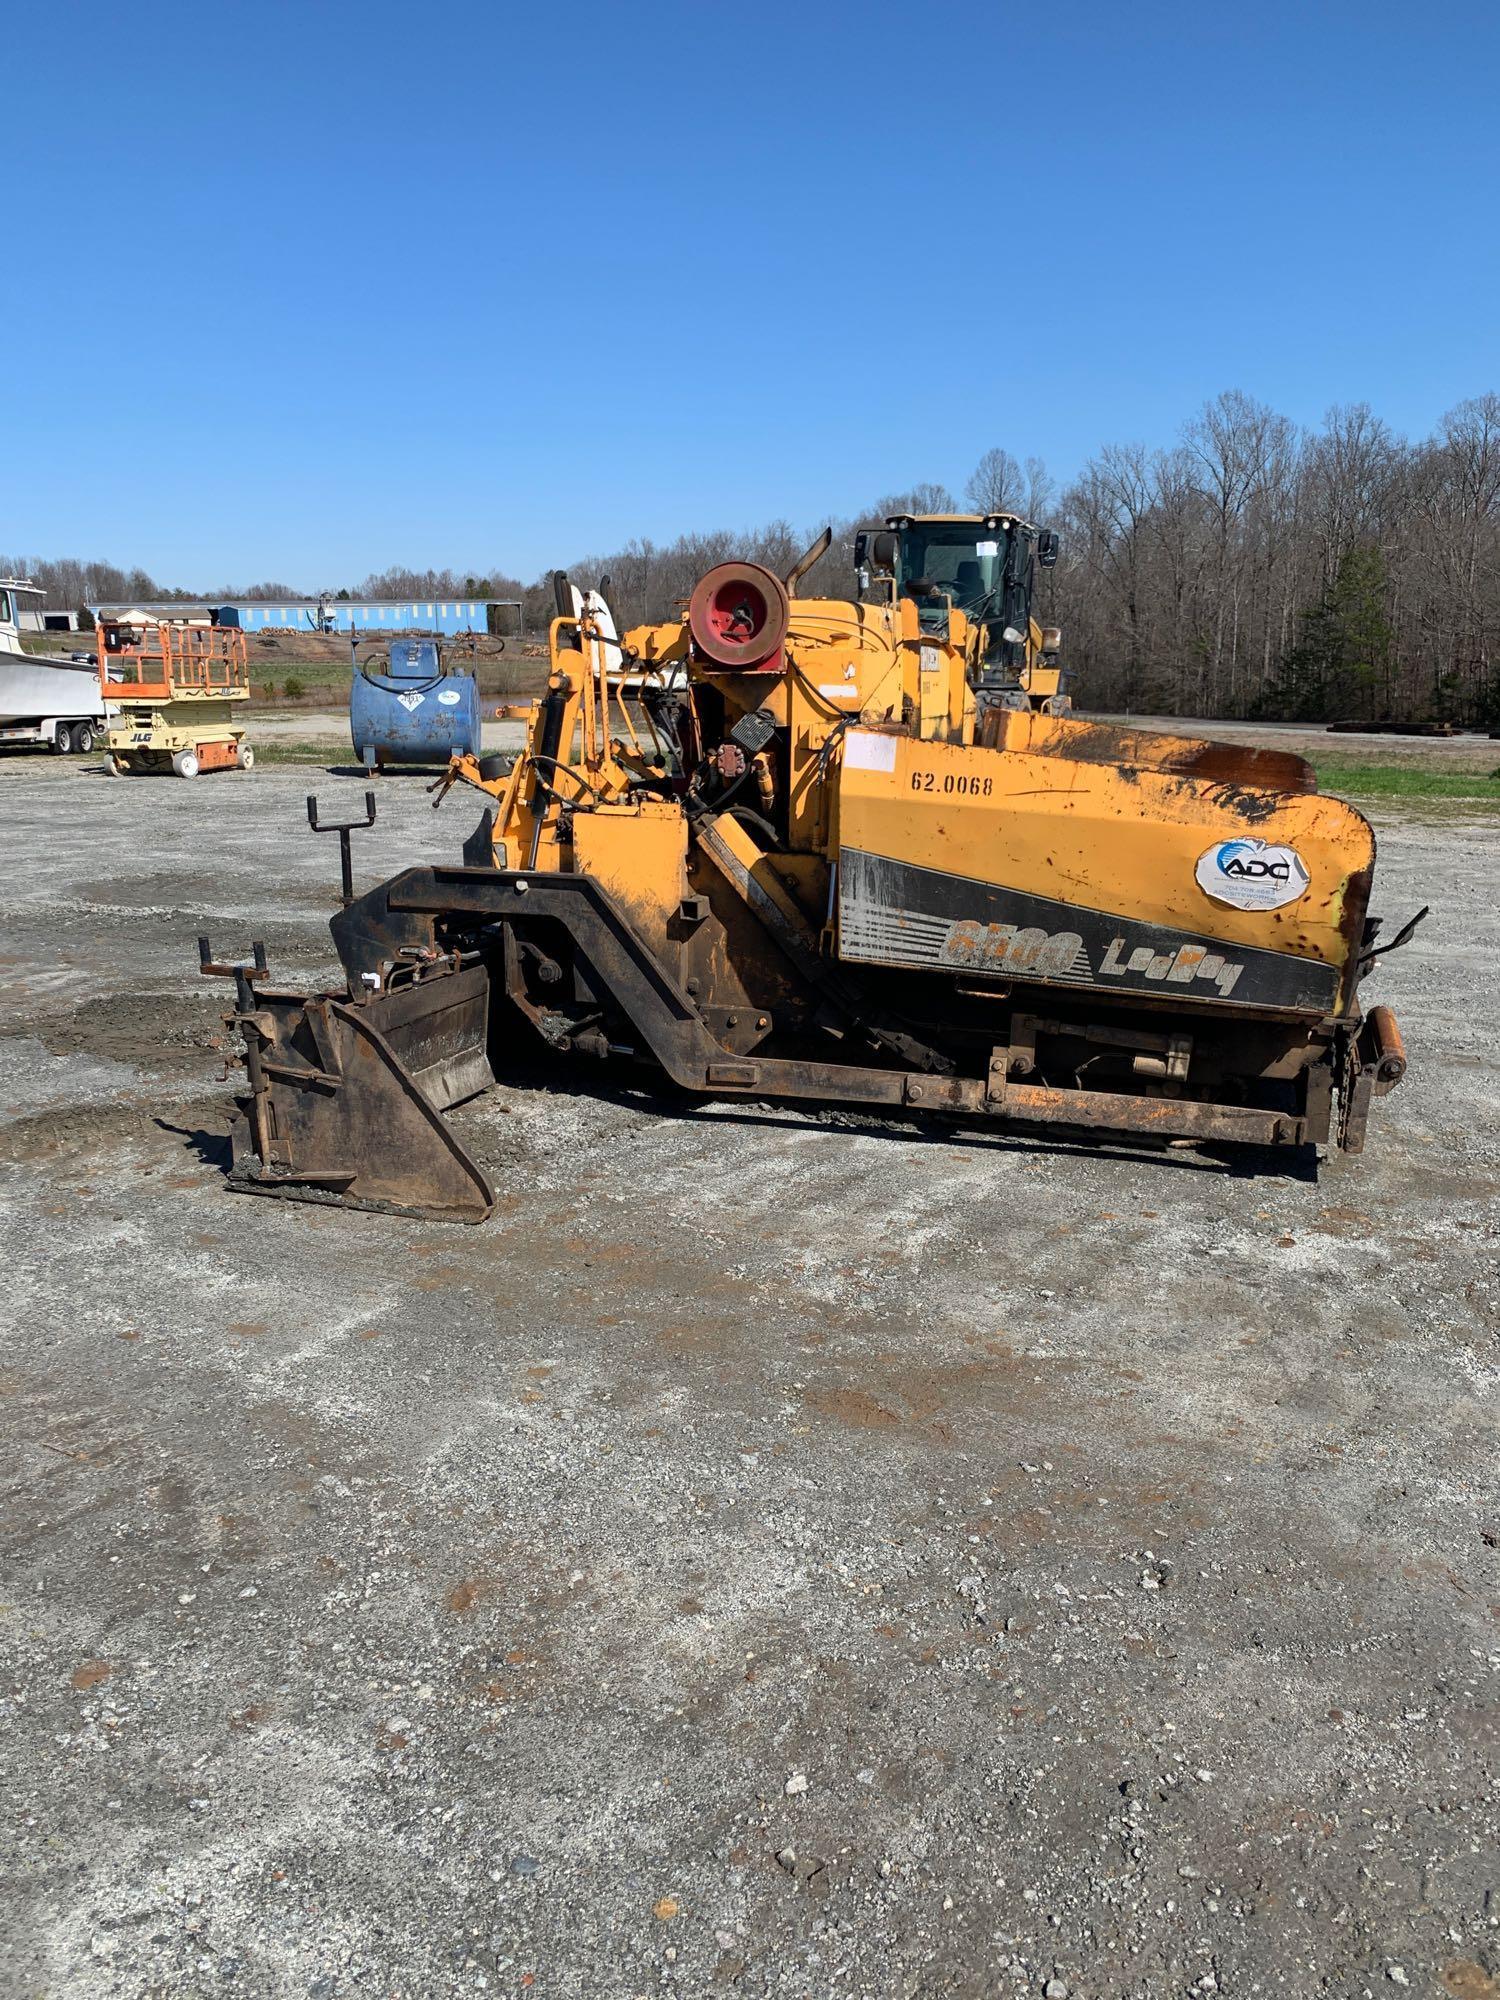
x=839, y=853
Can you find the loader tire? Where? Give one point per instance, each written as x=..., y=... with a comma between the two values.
x=185, y=764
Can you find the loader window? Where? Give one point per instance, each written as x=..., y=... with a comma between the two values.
x=966, y=569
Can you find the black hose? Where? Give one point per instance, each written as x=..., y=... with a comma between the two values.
x=554, y=708
x=694, y=803
x=546, y=785
x=763, y=826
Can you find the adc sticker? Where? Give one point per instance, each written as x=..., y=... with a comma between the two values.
x=1250, y=875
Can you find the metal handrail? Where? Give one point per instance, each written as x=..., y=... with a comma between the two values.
x=197, y=659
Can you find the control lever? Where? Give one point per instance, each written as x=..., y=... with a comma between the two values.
x=343, y=828
x=1379, y=947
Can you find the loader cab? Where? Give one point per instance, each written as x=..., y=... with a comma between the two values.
x=981, y=564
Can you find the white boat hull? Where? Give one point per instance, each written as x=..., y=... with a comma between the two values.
x=32, y=686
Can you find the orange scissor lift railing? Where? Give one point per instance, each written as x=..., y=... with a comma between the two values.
x=173, y=661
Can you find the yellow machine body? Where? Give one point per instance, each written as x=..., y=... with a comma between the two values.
x=841, y=851
x=1065, y=822
x=1024, y=833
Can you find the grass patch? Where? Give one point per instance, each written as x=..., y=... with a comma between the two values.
x=59, y=642
x=284, y=752
x=1404, y=781
x=320, y=667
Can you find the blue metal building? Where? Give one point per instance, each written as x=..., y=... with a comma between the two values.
x=362, y=615
x=431, y=614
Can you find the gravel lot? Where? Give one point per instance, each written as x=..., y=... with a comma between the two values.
x=772, y=1556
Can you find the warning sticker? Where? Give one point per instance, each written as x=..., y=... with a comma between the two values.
x=410, y=701
x=864, y=750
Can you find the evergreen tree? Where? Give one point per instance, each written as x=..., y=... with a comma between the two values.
x=1342, y=663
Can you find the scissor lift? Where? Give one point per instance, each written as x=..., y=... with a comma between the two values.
x=178, y=688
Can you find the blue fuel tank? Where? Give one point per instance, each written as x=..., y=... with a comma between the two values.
x=413, y=709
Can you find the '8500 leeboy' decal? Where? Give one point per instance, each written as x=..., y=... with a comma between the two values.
x=893, y=913
x=1251, y=875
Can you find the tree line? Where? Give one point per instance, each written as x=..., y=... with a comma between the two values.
x=1252, y=568
x=1256, y=569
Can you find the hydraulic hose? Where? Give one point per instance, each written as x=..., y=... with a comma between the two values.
x=554, y=708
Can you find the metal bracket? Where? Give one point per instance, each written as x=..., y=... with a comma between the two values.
x=244, y=973
x=997, y=1075
x=343, y=828
x=253, y=1026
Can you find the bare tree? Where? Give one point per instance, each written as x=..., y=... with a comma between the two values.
x=996, y=484
x=1000, y=484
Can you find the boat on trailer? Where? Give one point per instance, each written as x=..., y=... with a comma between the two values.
x=46, y=699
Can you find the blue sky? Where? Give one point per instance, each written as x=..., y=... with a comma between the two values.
x=304, y=290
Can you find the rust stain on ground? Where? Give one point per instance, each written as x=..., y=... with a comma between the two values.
x=440, y=1279
x=1337, y=1221
x=247, y=1329
x=853, y=1408
x=1466, y=1979
x=932, y=1400
x=91, y=1673
x=692, y=1336
x=462, y=1597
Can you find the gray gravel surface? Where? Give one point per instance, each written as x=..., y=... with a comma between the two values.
x=772, y=1556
